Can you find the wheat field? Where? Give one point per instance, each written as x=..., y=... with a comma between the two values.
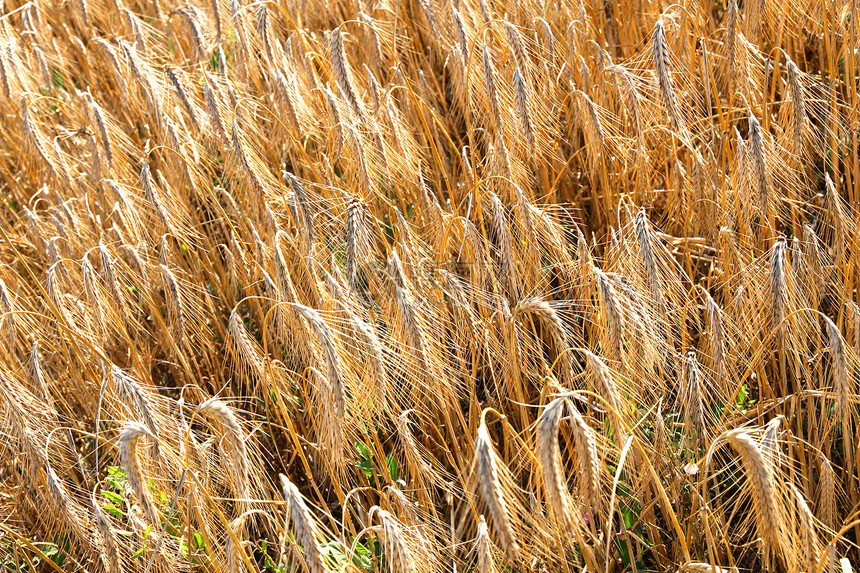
x=426, y=286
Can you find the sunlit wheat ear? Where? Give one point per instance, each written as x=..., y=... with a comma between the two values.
x=36, y=139
x=809, y=546
x=287, y=99
x=412, y=325
x=153, y=196
x=63, y=504
x=191, y=16
x=34, y=228
x=355, y=139
x=731, y=40
x=376, y=359
x=303, y=210
x=136, y=31
x=237, y=16
x=839, y=221
x=37, y=376
x=693, y=398
x=463, y=40
x=231, y=549
x=842, y=386
x=133, y=394
x=486, y=12
x=56, y=294
x=334, y=369
x=21, y=428
x=797, y=97
x=213, y=105
x=101, y=126
x=552, y=467
x=245, y=351
x=5, y=81
x=235, y=439
x=778, y=285
x=430, y=14
x=142, y=78
x=215, y=5
x=826, y=494
x=549, y=319
x=177, y=81
x=42, y=64
x=592, y=125
x=240, y=150
x=646, y=250
x=614, y=318
x=716, y=336
x=760, y=170
x=769, y=518
x=508, y=271
x=334, y=111
x=97, y=303
x=853, y=317
x=588, y=461
x=108, y=550
x=8, y=322
x=264, y=30
x=403, y=548
x=632, y=105
x=175, y=305
x=340, y=67
x=109, y=274
x=424, y=473
x=128, y=459
x=499, y=158
x=524, y=109
x=303, y=526
x=116, y=68
x=661, y=60
x=484, y=549
x=486, y=466
x=607, y=387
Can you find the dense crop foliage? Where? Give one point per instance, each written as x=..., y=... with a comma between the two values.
x=425, y=286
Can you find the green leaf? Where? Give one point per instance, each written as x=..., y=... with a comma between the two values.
x=365, y=464
x=742, y=395
x=393, y=469
x=113, y=510
x=199, y=541
x=139, y=552
x=117, y=499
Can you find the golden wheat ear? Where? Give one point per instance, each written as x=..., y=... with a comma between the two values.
x=764, y=492
x=303, y=526
x=235, y=439
x=406, y=549
x=494, y=488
